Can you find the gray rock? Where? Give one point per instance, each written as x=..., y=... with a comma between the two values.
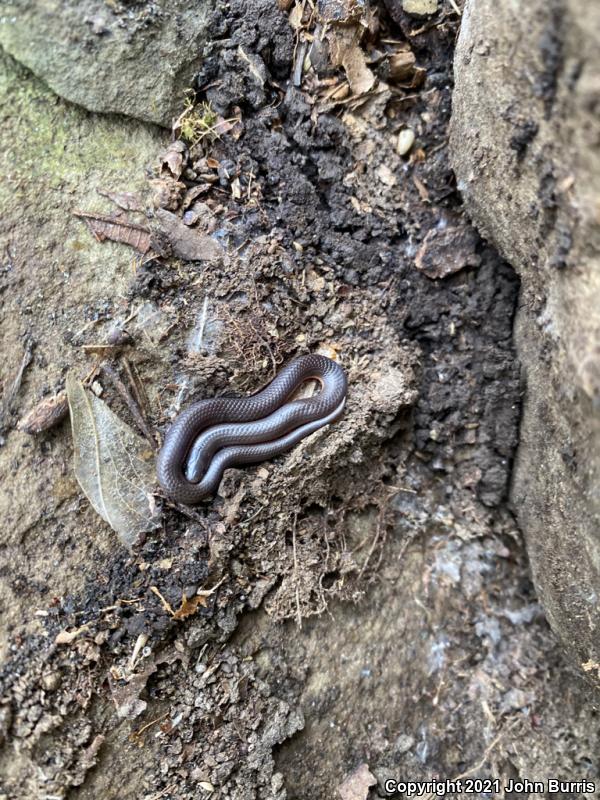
x=526, y=151
x=134, y=59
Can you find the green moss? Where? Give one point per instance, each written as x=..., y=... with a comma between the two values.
x=198, y=122
x=55, y=142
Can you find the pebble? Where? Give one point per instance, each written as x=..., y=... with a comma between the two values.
x=51, y=681
x=406, y=139
x=420, y=7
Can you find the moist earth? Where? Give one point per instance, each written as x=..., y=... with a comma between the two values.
x=364, y=599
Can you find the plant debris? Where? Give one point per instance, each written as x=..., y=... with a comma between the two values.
x=45, y=415
x=114, y=466
x=105, y=227
x=185, y=242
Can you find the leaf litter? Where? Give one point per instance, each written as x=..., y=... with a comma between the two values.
x=114, y=466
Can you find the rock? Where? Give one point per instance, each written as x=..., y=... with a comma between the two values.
x=525, y=149
x=51, y=681
x=420, y=8
x=447, y=248
x=355, y=786
x=406, y=139
x=110, y=58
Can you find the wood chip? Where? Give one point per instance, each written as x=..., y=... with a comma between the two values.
x=47, y=413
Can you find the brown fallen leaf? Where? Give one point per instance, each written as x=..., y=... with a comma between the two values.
x=173, y=157
x=345, y=51
x=166, y=193
x=357, y=784
x=189, y=606
x=47, y=413
x=103, y=227
x=187, y=243
x=446, y=250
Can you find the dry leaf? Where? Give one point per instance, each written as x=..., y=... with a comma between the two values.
x=295, y=17
x=190, y=606
x=47, y=413
x=186, y=243
x=114, y=466
x=356, y=785
x=172, y=158
x=105, y=227
x=344, y=44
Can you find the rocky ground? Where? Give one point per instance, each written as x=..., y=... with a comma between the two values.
x=364, y=600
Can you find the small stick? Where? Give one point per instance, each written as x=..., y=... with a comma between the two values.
x=133, y=407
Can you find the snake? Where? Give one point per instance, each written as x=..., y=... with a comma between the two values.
x=220, y=432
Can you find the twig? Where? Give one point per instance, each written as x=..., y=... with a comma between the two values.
x=484, y=758
x=136, y=734
x=137, y=386
x=165, y=603
x=7, y=403
x=298, y=612
x=373, y=543
x=130, y=402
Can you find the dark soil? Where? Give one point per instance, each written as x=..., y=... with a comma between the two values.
x=395, y=519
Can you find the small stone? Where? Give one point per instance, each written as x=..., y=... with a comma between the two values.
x=276, y=781
x=403, y=743
x=420, y=8
x=385, y=175
x=356, y=785
x=406, y=139
x=51, y=681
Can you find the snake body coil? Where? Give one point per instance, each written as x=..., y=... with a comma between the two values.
x=214, y=434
